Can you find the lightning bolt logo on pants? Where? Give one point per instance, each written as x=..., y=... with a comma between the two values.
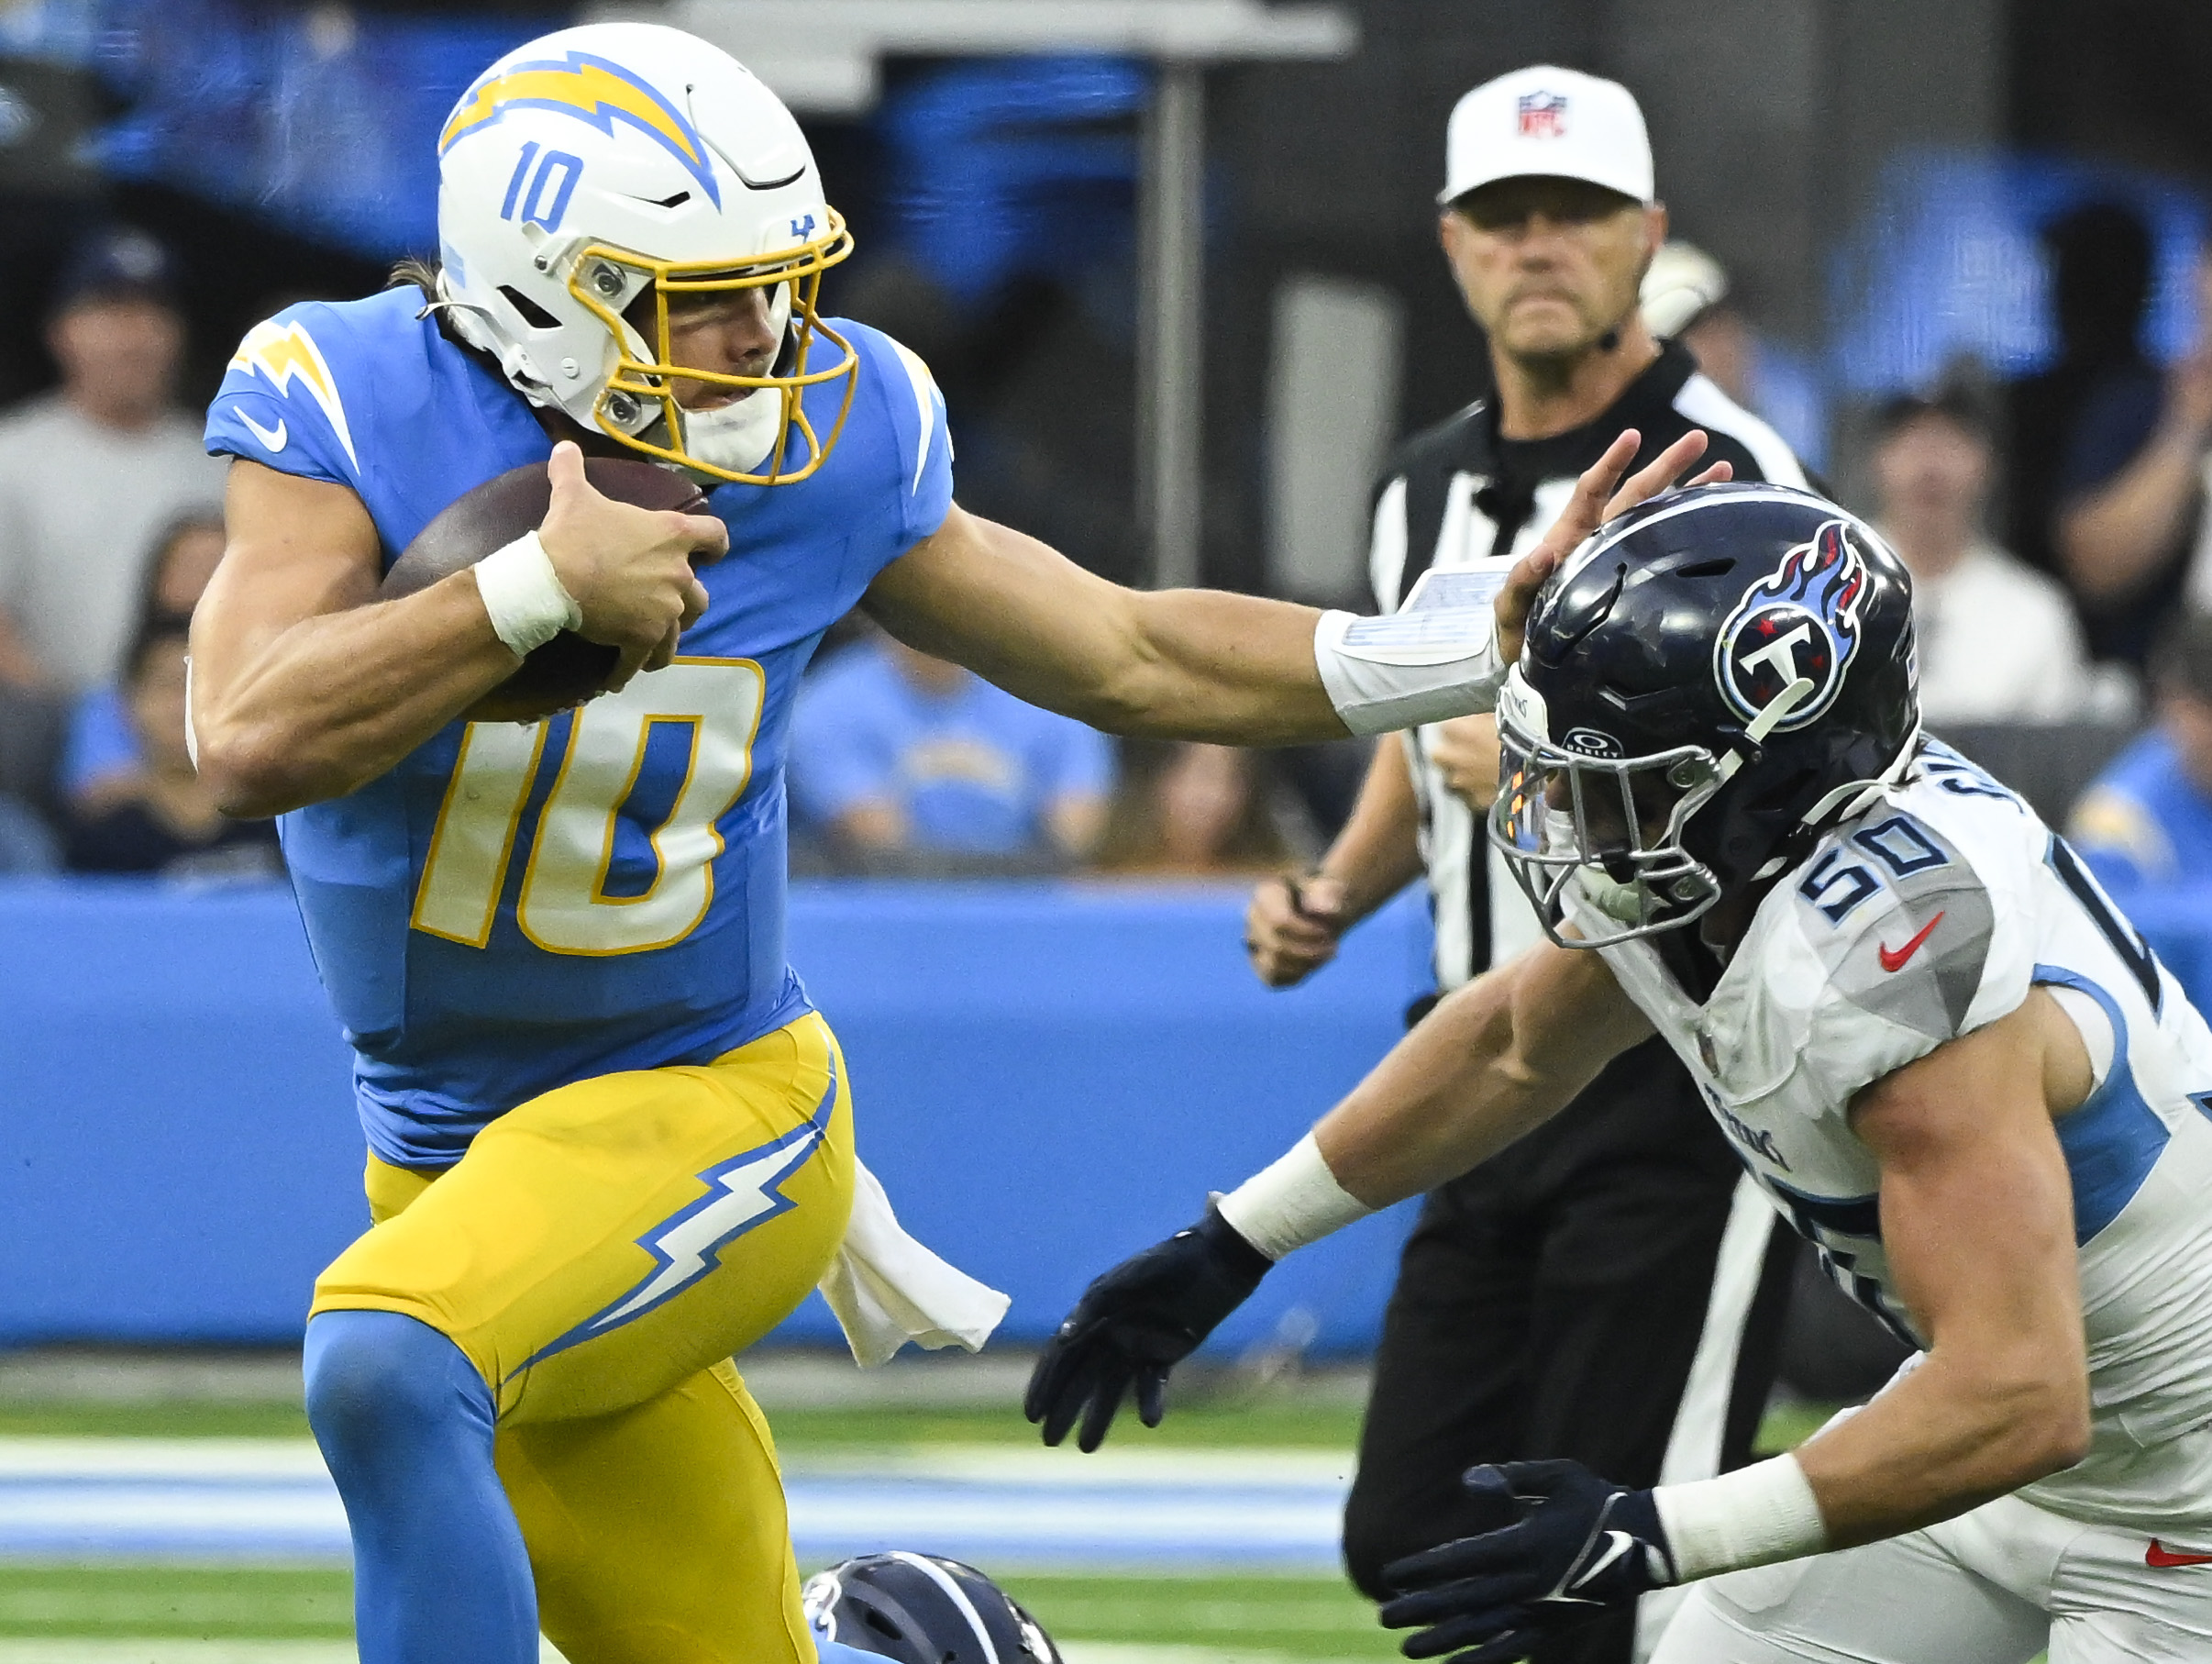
x=743, y=1192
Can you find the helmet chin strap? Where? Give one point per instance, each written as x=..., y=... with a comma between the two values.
x=738, y=436
x=1849, y=799
x=1772, y=716
x=468, y=319
x=1854, y=796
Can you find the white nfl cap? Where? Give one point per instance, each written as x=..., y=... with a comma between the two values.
x=1545, y=121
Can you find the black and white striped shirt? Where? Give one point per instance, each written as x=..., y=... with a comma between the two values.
x=1458, y=493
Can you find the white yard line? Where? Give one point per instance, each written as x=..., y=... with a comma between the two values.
x=281, y=1458
x=227, y=1459
x=245, y=1499
x=163, y=1651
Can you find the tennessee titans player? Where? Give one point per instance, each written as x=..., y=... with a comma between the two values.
x=609, y=1138
x=1938, y=1048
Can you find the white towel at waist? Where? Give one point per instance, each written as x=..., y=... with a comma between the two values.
x=887, y=1288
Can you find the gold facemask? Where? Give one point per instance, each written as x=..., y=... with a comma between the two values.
x=642, y=383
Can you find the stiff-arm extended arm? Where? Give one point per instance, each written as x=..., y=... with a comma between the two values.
x=1204, y=664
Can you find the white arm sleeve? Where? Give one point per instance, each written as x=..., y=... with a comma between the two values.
x=1409, y=668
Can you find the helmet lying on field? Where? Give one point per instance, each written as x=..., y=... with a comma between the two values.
x=1708, y=682
x=615, y=163
x=923, y=1609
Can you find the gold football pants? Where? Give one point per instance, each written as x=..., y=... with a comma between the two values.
x=599, y=1254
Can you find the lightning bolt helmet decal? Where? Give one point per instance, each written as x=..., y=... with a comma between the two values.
x=592, y=89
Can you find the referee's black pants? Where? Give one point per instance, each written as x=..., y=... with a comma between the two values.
x=1553, y=1302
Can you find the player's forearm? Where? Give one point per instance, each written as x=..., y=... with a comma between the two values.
x=1241, y=671
x=1178, y=664
x=1462, y=1086
x=1231, y=669
x=1970, y=1424
x=1378, y=852
x=334, y=701
x=1459, y=1088
x=1947, y=1437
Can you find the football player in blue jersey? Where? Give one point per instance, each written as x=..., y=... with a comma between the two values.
x=609, y=1137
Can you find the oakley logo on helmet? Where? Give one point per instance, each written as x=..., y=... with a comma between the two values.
x=1591, y=742
x=1803, y=622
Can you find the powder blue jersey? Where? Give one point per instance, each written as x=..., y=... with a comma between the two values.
x=2143, y=820
x=517, y=906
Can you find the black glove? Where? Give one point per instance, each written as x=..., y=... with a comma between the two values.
x=1582, y=1545
x=1135, y=1323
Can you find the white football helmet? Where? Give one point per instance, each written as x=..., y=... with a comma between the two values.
x=599, y=166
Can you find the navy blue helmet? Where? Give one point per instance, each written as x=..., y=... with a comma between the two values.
x=1708, y=683
x=923, y=1609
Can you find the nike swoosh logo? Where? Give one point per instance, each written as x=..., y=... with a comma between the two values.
x=2159, y=1555
x=1617, y=1543
x=1893, y=959
x=275, y=438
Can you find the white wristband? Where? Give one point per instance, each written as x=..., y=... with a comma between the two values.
x=524, y=596
x=1754, y=1516
x=1406, y=669
x=1294, y=1202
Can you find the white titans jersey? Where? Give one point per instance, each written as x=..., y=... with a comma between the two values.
x=1927, y=916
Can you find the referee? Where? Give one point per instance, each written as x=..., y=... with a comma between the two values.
x=1608, y=1288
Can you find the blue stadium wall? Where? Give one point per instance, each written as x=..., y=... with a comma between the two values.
x=1047, y=1077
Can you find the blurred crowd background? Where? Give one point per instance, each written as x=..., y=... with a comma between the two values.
x=1957, y=254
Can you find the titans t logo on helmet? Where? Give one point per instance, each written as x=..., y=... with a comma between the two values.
x=1801, y=622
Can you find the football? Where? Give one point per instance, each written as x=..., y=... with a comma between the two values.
x=568, y=669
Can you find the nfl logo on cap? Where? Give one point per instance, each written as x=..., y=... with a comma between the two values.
x=1542, y=114
x=1518, y=127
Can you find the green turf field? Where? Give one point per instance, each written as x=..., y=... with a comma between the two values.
x=1110, y=1619
x=168, y=1614
x=1305, y=1618
x=208, y=1603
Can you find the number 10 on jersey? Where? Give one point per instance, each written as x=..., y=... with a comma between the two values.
x=564, y=906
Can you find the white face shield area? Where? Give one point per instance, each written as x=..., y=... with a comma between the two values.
x=1608, y=830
